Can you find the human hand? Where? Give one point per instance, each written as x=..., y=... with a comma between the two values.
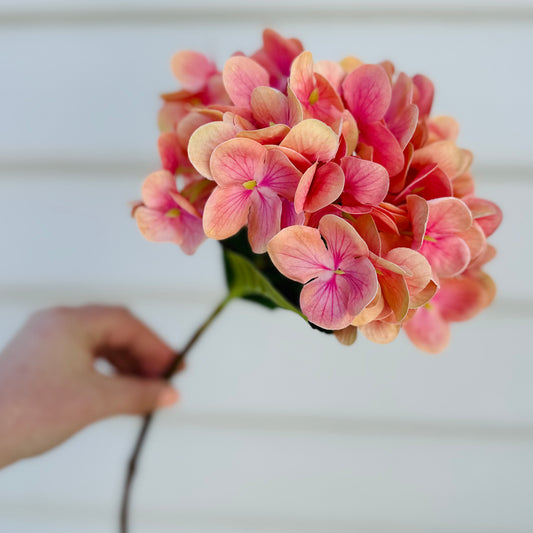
x=50, y=389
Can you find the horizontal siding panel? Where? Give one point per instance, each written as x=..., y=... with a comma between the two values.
x=200, y=479
x=305, y=7
x=75, y=230
x=90, y=92
x=252, y=361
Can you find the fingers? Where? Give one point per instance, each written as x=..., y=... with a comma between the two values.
x=127, y=395
x=115, y=334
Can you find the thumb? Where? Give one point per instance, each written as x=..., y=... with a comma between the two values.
x=130, y=395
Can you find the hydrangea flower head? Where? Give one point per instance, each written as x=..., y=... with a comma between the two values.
x=337, y=176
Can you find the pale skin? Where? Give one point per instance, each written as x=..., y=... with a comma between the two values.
x=50, y=388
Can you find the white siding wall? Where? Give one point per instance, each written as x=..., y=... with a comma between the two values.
x=280, y=428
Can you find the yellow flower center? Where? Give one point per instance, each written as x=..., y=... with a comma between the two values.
x=173, y=213
x=430, y=239
x=249, y=184
x=313, y=97
x=339, y=271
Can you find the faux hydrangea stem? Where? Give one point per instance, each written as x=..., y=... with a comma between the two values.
x=173, y=367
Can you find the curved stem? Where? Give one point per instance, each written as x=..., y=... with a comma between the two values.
x=174, y=365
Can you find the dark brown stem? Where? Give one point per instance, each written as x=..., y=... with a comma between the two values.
x=173, y=367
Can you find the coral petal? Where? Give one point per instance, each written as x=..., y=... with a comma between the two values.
x=241, y=76
x=313, y=139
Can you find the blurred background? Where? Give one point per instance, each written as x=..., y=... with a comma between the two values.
x=280, y=429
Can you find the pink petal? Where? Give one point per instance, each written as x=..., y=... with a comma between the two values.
x=156, y=187
x=299, y=253
x=430, y=183
x=402, y=115
x=475, y=240
x=332, y=71
x=281, y=50
x=366, y=182
x=170, y=151
x=487, y=214
x=367, y=229
x=416, y=264
x=297, y=159
x=324, y=188
x=350, y=132
x=386, y=148
x=418, y=211
x=241, y=76
x=289, y=217
x=328, y=106
x=190, y=123
x=192, y=233
x=460, y=298
x=367, y=92
x=448, y=255
x=303, y=188
x=279, y=174
x=344, y=243
x=313, y=139
x=226, y=211
x=448, y=215
x=269, y=106
x=204, y=140
x=237, y=161
x=424, y=94
x=264, y=218
x=427, y=330
x=192, y=69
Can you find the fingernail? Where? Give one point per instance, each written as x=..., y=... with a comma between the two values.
x=168, y=397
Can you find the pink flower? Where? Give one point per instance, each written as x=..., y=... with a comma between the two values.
x=166, y=215
x=250, y=181
x=339, y=279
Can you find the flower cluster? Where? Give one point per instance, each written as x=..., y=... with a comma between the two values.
x=339, y=173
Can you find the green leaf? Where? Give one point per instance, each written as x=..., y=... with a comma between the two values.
x=246, y=281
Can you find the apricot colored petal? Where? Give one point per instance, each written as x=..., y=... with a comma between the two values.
x=155, y=189
x=386, y=148
x=350, y=132
x=342, y=239
x=424, y=296
x=296, y=112
x=269, y=106
x=430, y=183
x=313, y=139
x=269, y=135
x=226, y=211
x=365, y=182
x=204, y=140
x=380, y=332
x=460, y=298
x=237, y=161
x=424, y=94
x=325, y=187
x=449, y=255
x=443, y=128
x=301, y=79
x=346, y=336
x=418, y=211
x=264, y=218
x=367, y=92
x=419, y=270
x=241, y=75
x=350, y=63
x=371, y=311
x=367, y=229
x=487, y=214
x=299, y=253
x=451, y=159
x=427, y=330
x=170, y=115
x=192, y=69
x=395, y=292
x=448, y=215
x=155, y=226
